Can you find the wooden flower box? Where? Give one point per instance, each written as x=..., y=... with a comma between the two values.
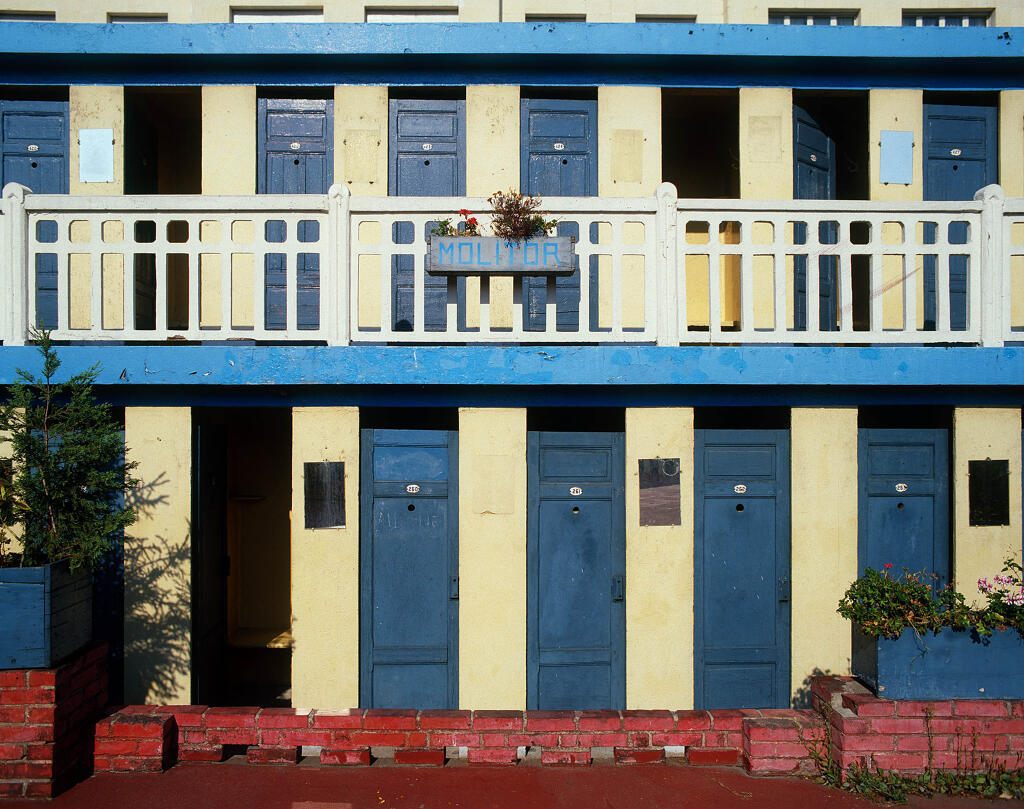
x=491, y=255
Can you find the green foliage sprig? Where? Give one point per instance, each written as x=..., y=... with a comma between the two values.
x=516, y=217
x=70, y=479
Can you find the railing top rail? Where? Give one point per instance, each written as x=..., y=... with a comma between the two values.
x=167, y=203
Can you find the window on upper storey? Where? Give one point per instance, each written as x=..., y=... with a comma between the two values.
x=683, y=18
x=28, y=16
x=947, y=19
x=266, y=14
x=556, y=17
x=412, y=14
x=801, y=17
x=136, y=18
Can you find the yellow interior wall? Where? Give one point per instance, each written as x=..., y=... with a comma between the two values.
x=1011, y=142
x=492, y=558
x=158, y=558
x=229, y=139
x=492, y=164
x=325, y=566
x=981, y=433
x=659, y=567
x=766, y=143
x=823, y=492
x=361, y=139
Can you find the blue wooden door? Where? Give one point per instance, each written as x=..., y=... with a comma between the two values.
x=296, y=156
x=904, y=500
x=742, y=569
x=409, y=562
x=959, y=158
x=426, y=158
x=576, y=566
x=814, y=177
x=34, y=152
x=559, y=159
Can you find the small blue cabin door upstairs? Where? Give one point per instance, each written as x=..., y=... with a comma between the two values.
x=409, y=569
x=742, y=569
x=296, y=156
x=559, y=159
x=426, y=158
x=34, y=150
x=814, y=177
x=904, y=501
x=576, y=566
x=960, y=148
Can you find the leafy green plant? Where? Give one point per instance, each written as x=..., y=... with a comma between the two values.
x=70, y=479
x=516, y=216
x=469, y=226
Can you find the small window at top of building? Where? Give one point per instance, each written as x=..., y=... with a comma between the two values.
x=28, y=16
x=801, y=17
x=556, y=17
x=440, y=14
x=134, y=18
x=277, y=14
x=976, y=18
x=683, y=18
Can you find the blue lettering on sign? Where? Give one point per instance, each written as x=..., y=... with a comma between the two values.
x=446, y=250
x=469, y=247
x=479, y=258
x=511, y=252
x=550, y=248
x=526, y=254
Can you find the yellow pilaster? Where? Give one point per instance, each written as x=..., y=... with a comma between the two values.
x=361, y=139
x=1011, y=142
x=629, y=141
x=325, y=566
x=766, y=143
x=902, y=111
x=229, y=140
x=93, y=107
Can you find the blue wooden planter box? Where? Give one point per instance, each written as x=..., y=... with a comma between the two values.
x=949, y=665
x=45, y=614
x=489, y=255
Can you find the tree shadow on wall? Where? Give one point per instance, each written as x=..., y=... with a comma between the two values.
x=802, y=696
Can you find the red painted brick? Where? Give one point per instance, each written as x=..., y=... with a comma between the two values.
x=45, y=677
x=352, y=718
x=373, y=739
x=767, y=766
x=898, y=726
x=492, y=755
x=564, y=758
x=648, y=720
x=600, y=720
x=639, y=740
x=627, y=755
x=40, y=716
x=915, y=762
x=194, y=737
x=723, y=739
x=272, y=755
x=416, y=740
x=601, y=740
x=923, y=707
x=864, y=705
x=13, y=679
x=446, y=720
x=139, y=726
x=536, y=740
x=964, y=726
x=29, y=733
x=1005, y=725
x=430, y=758
x=39, y=790
x=12, y=713
x=150, y=747
x=389, y=719
x=26, y=769
x=718, y=757
x=347, y=758
x=454, y=740
x=26, y=696
x=791, y=750
x=551, y=720
x=728, y=719
x=282, y=718
x=917, y=743
x=199, y=752
x=11, y=752
x=497, y=720
x=676, y=739
x=849, y=725
x=693, y=720
x=14, y=789
x=101, y=764
x=777, y=730
x=495, y=739
x=242, y=717
x=115, y=747
x=245, y=736
x=979, y=707
x=286, y=737
x=39, y=752
x=186, y=716
x=858, y=744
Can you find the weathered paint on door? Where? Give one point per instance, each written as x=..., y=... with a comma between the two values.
x=960, y=157
x=409, y=557
x=576, y=565
x=34, y=152
x=904, y=500
x=558, y=159
x=296, y=156
x=814, y=177
x=426, y=158
x=742, y=569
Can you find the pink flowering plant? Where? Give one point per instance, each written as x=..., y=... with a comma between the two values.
x=884, y=604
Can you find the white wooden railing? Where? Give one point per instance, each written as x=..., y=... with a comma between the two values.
x=337, y=269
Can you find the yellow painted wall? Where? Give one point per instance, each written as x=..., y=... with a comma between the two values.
x=492, y=558
x=629, y=141
x=899, y=110
x=659, y=568
x=766, y=143
x=361, y=139
x=823, y=473
x=229, y=139
x=981, y=433
x=1011, y=142
x=158, y=557
x=93, y=107
x=325, y=567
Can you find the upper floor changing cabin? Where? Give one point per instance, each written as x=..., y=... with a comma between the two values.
x=781, y=322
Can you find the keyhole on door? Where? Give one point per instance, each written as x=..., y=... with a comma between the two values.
x=296, y=162
x=565, y=162
x=412, y=507
x=899, y=506
x=956, y=167
x=575, y=509
x=35, y=164
x=426, y=162
x=739, y=507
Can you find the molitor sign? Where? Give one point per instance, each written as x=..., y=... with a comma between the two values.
x=490, y=255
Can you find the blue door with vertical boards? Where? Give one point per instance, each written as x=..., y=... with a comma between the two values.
x=296, y=156
x=814, y=177
x=742, y=569
x=960, y=156
x=559, y=159
x=576, y=567
x=409, y=568
x=426, y=158
x=34, y=152
x=903, y=511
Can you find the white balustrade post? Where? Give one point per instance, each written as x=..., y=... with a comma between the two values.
x=666, y=258
x=995, y=273
x=339, y=204
x=14, y=328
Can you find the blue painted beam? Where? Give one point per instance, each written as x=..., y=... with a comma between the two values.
x=523, y=53
x=553, y=367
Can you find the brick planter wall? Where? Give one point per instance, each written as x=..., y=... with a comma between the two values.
x=46, y=724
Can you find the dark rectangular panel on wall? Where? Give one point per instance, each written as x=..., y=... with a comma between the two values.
x=324, y=489
x=659, y=491
x=989, y=492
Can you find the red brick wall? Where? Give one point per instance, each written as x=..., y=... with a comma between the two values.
x=46, y=724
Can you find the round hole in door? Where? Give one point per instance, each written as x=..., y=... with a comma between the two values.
x=296, y=162
x=956, y=167
x=412, y=507
x=34, y=164
x=575, y=509
x=426, y=162
x=899, y=506
x=739, y=507
x=565, y=162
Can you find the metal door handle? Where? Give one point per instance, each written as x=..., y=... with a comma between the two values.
x=784, y=589
x=453, y=588
x=618, y=588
